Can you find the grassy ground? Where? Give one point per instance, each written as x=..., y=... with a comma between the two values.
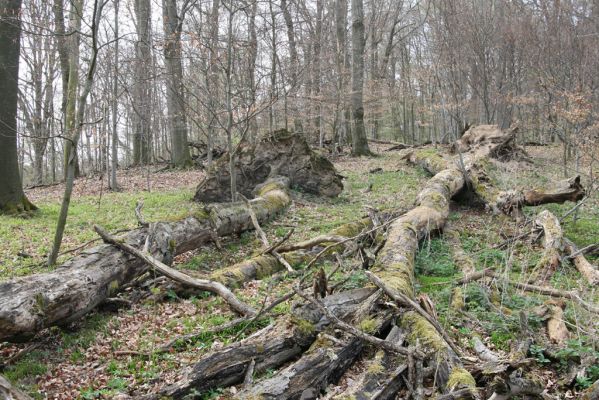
x=91, y=361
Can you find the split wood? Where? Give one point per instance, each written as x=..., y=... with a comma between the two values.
x=356, y=332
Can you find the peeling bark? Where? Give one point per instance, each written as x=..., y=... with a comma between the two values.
x=270, y=347
x=552, y=242
x=30, y=304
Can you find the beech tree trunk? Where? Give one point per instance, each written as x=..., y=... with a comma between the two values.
x=142, y=88
x=30, y=304
x=173, y=26
x=12, y=197
x=359, y=141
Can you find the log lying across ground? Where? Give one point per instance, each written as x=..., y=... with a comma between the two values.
x=557, y=247
x=9, y=392
x=270, y=347
x=265, y=265
x=30, y=304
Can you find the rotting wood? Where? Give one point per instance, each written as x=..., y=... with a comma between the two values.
x=30, y=304
x=9, y=392
x=588, y=271
x=407, y=301
x=270, y=347
x=265, y=264
x=382, y=377
x=324, y=362
x=186, y=280
x=553, y=244
x=277, y=153
x=557, y=247
x=483, y=352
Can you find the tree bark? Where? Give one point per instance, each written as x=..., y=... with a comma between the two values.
x=114, y=157
x=359, y=141
x=142, y=87
x=30, y=304
x=12, y=197
x=175, y=93
x=270, y=347
x=294, y=67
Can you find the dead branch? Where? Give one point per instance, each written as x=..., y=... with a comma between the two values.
x=406, y=301
x=9, y=392
x=353, y=330
x=178, y=276
x=261, y=233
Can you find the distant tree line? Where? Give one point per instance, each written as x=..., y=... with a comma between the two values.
x=103, y=84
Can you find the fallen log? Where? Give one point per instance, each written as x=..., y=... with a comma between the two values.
x=382, y=377
x=265, y=265
x=278, y=153
x=186, y=280
x=9, y=392
x=30, y=304
x=270, y=347
x=588, y=271
x=395, y=267
x=482, y=143
x=324, y=362
x=557, y=247
x=553, y=244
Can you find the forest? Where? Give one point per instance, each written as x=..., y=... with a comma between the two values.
x=299, y=199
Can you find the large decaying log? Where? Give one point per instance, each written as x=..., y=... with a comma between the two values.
x=553, y=244
x=557, y=247
x=489, y=142
x=30, y=304
x=279, y=153
x=395, y=267
x=270, y=347
x=325, y=361
x=382, y=377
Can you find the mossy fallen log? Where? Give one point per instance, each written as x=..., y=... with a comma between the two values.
x=30, y=304
x=479, y=146
x=270, y=347
x=265, y=265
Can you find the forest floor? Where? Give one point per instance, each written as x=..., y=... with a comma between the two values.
x=111, y=353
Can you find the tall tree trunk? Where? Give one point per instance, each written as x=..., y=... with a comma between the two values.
x=114, y=158
x=229, y=94
x=294, y=61
x=75, y=115
x=62, y=42
x=12, y=198
x=359, y=141
x=142, y=92
x=253, y=55
x=173, y=25
x=211, y=80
